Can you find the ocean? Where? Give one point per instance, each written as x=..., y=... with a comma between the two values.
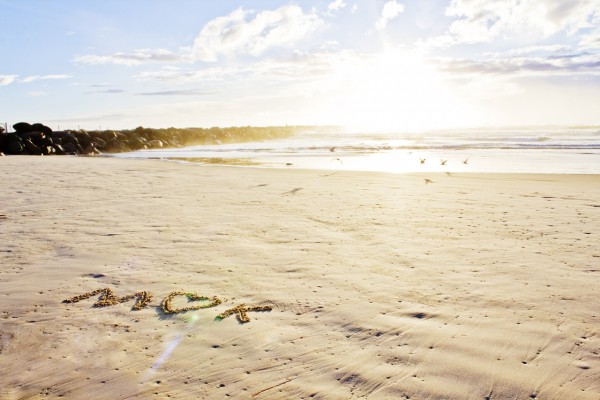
x=572, y=150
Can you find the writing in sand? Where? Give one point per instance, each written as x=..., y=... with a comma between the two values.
x=108, y=298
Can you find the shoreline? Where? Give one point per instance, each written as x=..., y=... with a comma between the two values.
x=380, y=285
x=256, y=163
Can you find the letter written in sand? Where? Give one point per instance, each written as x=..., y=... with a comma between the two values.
x=108, y=298
x=240, y=312
x=168, y=309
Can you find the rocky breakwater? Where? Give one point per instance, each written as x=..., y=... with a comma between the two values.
x=39, y=139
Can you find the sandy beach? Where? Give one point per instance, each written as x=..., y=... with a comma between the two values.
x=381, y=286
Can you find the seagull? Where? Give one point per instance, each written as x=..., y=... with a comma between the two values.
x=466, y=161
x=428, y=181
x=422, y=160
x=443, y=162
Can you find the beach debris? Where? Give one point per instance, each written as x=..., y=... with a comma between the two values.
x=271, y=387
x=167, y=308
x=293, y=191
x=240, y=312
x=108, y=298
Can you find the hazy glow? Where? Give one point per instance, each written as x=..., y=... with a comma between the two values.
x=376, y=65
x=393, y=90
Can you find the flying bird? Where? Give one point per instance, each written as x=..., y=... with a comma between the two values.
x=443, y=162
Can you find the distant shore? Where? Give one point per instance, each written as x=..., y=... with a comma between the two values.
x=373, y=285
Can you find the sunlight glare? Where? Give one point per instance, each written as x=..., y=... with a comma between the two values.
x=395, y=90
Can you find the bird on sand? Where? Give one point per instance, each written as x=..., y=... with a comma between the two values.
x=332, y=149
x=428, y=181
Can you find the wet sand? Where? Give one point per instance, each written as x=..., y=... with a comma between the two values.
x=472, y=286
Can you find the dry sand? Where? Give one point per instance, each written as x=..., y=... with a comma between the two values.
x=383, y=287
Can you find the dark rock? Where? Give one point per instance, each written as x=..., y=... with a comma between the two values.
x=107, y=136
x=59, y=149
x=70, y=148
x=99, y=143
x=136, y=143
x=32, y=147
x=15, y=146
x=57, y=137
x=42, y=128
x=22, y=127
x=91, y=149
x=115, y=146
x=83, y=138
x=36, y=137
x=121, y=137
x=3, y=140
x=70, y=138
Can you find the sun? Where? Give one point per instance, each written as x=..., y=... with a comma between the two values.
x=395, y=90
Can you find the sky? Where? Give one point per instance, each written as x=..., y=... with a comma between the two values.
x=365, y=64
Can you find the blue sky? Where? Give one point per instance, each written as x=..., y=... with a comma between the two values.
x=366, y=64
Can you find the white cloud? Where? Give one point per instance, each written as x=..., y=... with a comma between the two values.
x=520, y=51
x=33, y=78
x=390, y=10
x=299, y=67
x=183, y=76
x=240, y=32
x=591, y=40
x=335, y=6
x=37, y=93
x=7, y=79
x=233, y=34
x=479, y=21
x=556, y=64
x=136, y=58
